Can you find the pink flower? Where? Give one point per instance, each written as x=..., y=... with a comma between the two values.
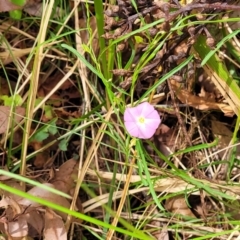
x=141, y=121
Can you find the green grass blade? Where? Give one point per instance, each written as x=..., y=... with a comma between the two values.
x=215, y=66
x=93, y=69
x=142, y=158
x=137, y=234
x=34, y=183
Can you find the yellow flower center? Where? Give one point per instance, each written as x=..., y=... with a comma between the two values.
x=141, y=120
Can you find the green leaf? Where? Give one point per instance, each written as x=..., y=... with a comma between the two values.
x=34, y=183
x=40, y=136
x=136, y=233
x=16, y=14
x=219, y=45
x=15, y=100
x=43, y=132
x=19, y=2
x=52, y=129
x=48, y=111
x=63, y=145
x=139, y=39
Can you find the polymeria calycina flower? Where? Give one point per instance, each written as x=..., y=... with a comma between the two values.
x=141, y=121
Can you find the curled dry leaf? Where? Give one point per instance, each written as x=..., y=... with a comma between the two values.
x=219, y=75
x=54, y=226
x=198, y=102
x=6, y=114
x=178, y=205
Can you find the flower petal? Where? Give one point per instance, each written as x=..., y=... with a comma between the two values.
x=153, y=119
x=147, y=109
x=132, y=129
x=130, y=114
x=145, y=129
x=146, y=133
x=134, y=132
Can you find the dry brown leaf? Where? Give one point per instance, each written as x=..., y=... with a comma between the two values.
x=64, y=179
x=42, y=157
x=158, y=98
x=35, y=222
x=34, y=9
x=15, y=224
x=54, y=226
x=62, y=113
x=166, y=137
x=17, y=228
x=46, y=195
x=57, y=98
x=7, y=5
x=162, y=234
x=181, y=49
x=5, y=115
x=14, y=210
x=178, y=205
x=208, y=88
x=198, y=102
x=11, y=183
x=21, y=221
x=5, y=202
x=5, y=86
x=230, y=95
x=51, y=82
